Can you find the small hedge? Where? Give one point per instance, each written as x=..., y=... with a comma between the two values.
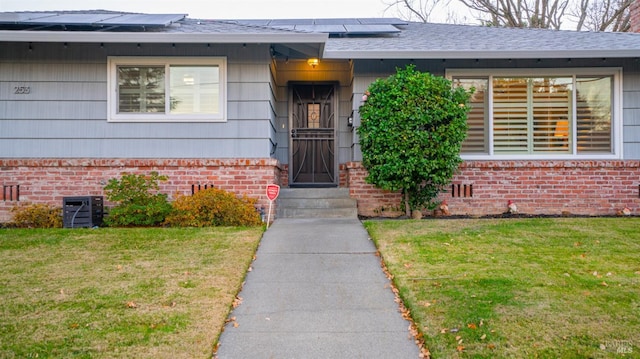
x=36, y=215
x=213, y=207
x=139, y=202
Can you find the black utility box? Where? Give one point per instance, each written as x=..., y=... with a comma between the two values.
x=82, y=212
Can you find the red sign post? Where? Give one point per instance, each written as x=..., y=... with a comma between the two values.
x=273, y=190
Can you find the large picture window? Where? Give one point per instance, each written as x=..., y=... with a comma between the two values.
x=167, y=89
x=541, y=115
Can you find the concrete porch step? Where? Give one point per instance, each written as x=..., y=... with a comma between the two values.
x=316, y=203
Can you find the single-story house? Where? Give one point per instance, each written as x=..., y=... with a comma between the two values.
x=239, y=104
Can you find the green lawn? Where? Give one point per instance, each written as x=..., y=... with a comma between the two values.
x=128, y=293
x=518, y=288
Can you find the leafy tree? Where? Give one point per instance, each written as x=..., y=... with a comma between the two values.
x=413, y=125
x=138, y=202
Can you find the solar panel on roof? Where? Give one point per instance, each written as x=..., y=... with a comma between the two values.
x=144, y=19
x=344, y=26
x=66, y=19
x=336, y=21
x=329, y=29
x=382, y=21
x=371, y=29
x=90, y=19
x=17, y=17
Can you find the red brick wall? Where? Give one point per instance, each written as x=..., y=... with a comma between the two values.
x=372, y=202
x=635, y=16
x=49, y=180
x=537, y=187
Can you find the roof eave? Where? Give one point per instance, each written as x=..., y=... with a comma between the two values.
x=159, y=37
x=461, y=55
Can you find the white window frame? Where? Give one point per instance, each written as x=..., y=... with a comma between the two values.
x=112, y=98
x=616, y=109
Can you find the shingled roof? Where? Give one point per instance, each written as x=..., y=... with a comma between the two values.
x=411, y=41
x=425, y=40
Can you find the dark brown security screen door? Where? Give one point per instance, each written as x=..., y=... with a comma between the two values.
x=312, y=135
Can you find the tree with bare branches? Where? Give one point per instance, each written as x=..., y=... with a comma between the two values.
x=591, y=15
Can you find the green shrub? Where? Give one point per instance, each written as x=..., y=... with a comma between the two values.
x=36, y=215
x=213, y=207
x=138, y=202
x=412, y=128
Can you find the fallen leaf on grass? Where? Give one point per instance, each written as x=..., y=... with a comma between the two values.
x=237, y=302
x=169, y=305
x=460, y=348
x=407, y=265
x=131, y=305
x=472, y=326
x=491, y=346
x=483, y=337
x=604, y=284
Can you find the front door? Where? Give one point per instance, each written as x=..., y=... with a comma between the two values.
x=312, y=135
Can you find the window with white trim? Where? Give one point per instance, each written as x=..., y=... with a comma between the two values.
x=541, y=115
x=167, y=89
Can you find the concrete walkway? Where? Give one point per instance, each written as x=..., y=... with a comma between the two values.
x=317, y=291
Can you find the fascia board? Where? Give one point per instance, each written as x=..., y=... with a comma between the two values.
x=576, y=54
x=136, y=37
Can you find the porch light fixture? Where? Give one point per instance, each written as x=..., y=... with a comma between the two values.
x=313, y=62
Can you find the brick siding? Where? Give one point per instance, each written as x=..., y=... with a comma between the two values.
x=537, y=187
x=634, y=19
x=49, y=180
x=480, y=187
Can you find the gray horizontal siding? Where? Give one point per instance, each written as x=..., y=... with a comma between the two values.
x=631, y=112
x=65, y=112
x=92, y=129
x=135, y=148
x=97, y=110
x=93, y=52
x=368, y=71
x=54, y=72
x=53, y=91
